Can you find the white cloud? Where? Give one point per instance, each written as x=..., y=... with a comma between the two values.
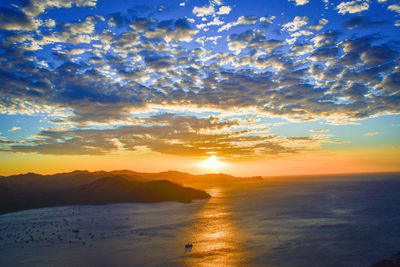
x=37, y=7
x=395, y=8
x=214, y=22
x=267, y=20
x=352, y=7
x=319, y=26
x=372, y=134
x=224, y=10
x=51, y=23
x=182, y=4
x=300, y=2
x=242, y=20
x=296, y=24
x=204, y=11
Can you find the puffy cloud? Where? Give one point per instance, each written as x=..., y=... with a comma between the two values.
x=15, y=21
x=296, y=24
x=372, y=134
x=266, y=21
x=242, y=20
x=50, y=23
x=319, y=26
x=325, y=39
x=215, y=22
x=352, y=7
x=36, y=7
x=103, y=74
x=395, y=8
x=180, y=31
x=300, y=2
x=324, y=54
x=377, y=55
x=204, y=11
x=224, y=10
x=390, y=84
x=141, y=24
x=252, y=39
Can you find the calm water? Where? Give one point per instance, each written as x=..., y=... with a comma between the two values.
x=337, y=221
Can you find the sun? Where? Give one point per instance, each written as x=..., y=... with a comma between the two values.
x=212, y=163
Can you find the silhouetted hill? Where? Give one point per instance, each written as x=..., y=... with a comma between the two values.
x=63, y=181
x=118, y=189
x=27, y=191
x=33, y=190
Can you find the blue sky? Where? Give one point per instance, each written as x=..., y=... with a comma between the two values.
x=240, y=79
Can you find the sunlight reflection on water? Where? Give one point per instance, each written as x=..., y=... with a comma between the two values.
x=216, y=239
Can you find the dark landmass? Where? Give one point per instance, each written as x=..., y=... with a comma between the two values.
x=31, y=190
x=394, y=261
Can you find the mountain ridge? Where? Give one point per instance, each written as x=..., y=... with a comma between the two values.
x=31, y=190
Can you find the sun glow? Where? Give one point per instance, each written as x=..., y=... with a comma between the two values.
x=212, y=163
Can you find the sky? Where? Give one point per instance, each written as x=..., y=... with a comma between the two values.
x=242, y=87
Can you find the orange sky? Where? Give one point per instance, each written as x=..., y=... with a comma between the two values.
x=351, y=161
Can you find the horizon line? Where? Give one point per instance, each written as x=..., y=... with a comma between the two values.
x=219, y=173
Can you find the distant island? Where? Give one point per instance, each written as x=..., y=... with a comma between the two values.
x=31, y=190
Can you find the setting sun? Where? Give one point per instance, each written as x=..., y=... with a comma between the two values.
x=212, y=163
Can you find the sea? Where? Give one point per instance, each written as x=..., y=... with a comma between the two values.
x=336, y=220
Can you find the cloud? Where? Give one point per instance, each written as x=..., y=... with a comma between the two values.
x=13, y=129
x=352, y=7
x=15, y=21
x=100, y=74
x=376, y=55
x=300, y=2
x=253, y=39
x=168, y=134
x=215, y=22
x=179, y=30
x=395, y=8
x=36, y=7
x=319, y=130
x=296, y=24
x=224, y=10
x=324, y=54
x=204, y=11
x=266, y=21
x=242, y=20
x=372, y=134
x=319, y=26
